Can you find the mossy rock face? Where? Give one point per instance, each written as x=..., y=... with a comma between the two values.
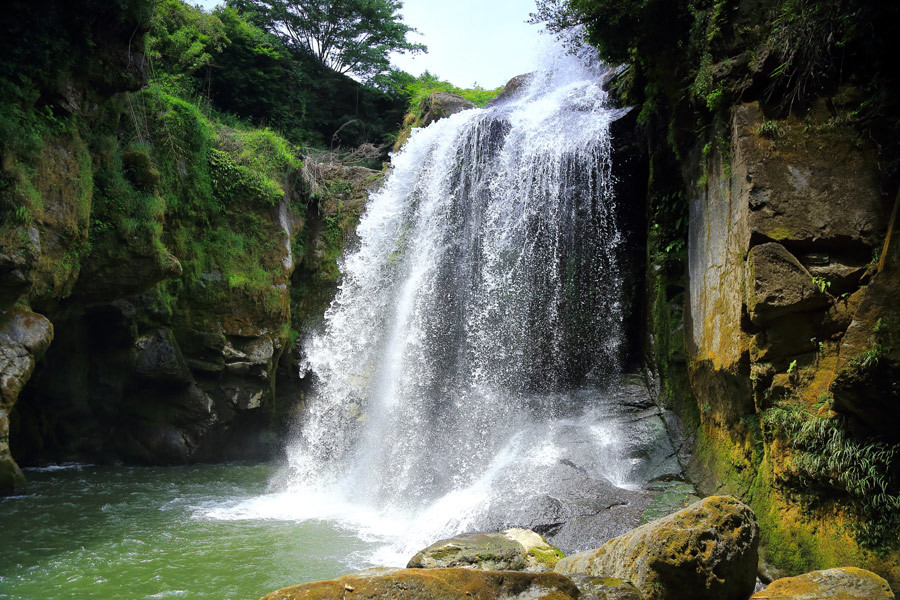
x=709, y=550
x=847, y=583
x=435, y=584
x=24, y=337
x=509, y=550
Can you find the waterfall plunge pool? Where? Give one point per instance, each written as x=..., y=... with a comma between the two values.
x=143, y=532
x=234, y=531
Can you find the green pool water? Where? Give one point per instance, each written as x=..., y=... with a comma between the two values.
x=114, y=532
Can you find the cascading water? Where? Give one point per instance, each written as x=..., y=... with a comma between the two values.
x=486, y=275
x=462, y=378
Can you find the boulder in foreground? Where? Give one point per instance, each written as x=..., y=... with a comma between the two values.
x=509, y=550
x=847, y=583
x=707, y=551
x=435, y=584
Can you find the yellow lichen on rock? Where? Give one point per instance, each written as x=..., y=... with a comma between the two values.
x=847, y=583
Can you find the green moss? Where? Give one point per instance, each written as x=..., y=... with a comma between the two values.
x=548, y=557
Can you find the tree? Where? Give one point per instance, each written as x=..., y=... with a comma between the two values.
x=349, y=36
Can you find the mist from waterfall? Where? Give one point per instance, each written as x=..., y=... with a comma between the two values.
x=477, y=330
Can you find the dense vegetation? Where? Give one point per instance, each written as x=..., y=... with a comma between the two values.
x=223, y=94
x=698, y=57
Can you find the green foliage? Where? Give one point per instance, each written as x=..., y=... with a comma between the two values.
x=420, y=88
x=46, y=43
x=782, y=52
x=769, y=129
x=256, y=78
x=348, y=36
x=182, y=43
x=879, y=344
x=228, y=63
x=867, y=472
x=821, y=283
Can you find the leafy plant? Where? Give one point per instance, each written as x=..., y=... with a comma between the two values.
x=821, y=283
x=769, y=129
x=868, y=472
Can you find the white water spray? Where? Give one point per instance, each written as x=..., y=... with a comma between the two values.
x=469, y=351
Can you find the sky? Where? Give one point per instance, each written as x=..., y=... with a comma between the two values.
x=484, y=42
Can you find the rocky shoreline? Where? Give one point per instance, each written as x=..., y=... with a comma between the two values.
x=708, y=550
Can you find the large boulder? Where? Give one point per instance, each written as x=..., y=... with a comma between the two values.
x=708, y=550
x=509, y=550
x=513, y=88
x=435, y=584
x=847, y=583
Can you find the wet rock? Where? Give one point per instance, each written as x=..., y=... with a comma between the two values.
x=509, y=550
x=579, y=510
x=512, y=88
x=435, y=584
x=777, y=285
x=441, y=104
x=575, y=534
x=709, y=550
x=605, y=588
x=160, y=359
x=24, y=337
x=847, y=583
x=587, y=493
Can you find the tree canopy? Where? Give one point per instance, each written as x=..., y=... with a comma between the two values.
x=349, y=36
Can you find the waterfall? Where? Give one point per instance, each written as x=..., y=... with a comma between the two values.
x=486, y=278
x=468, y=373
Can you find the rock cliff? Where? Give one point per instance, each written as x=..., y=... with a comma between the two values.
x=158, y=250
x=770, y=326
